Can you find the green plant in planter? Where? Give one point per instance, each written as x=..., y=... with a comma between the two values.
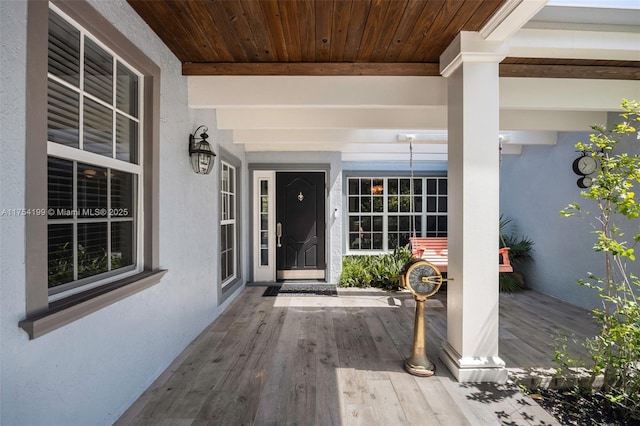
x=519, y=252
x=615, y=351
x=355, y=272
x=382, y=271
x=393, y=265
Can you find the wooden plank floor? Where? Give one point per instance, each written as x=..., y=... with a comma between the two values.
x=322, y=360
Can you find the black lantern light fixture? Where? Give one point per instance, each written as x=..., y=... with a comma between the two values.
x=202, y=156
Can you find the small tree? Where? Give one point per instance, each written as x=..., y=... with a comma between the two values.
x=615, y=352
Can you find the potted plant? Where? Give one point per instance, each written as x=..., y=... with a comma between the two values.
x=519, y=252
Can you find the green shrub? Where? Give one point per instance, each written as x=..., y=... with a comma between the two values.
x=509, y=283
x=355, y=272
x=520, y=248
x=382, y=271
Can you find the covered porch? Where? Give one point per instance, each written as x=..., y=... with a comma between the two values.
x=307, y=359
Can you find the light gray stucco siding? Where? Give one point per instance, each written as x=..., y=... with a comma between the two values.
x=535, y=186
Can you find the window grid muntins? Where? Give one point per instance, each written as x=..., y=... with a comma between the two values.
x=436, y=207
x=93, y=172
x=384, y=212
x=99, y=113
x=228, y=243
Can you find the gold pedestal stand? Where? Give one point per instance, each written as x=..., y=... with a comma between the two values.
x=418, y=364
x=423, y=279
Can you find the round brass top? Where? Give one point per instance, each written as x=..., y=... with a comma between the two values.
x=423, y=278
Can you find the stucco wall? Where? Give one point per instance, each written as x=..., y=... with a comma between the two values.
x=535, y=186
x=89, y=372
x=224, y=139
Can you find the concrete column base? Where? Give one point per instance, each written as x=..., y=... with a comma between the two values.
x=474, y=370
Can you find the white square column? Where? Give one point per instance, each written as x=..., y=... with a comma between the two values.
x=470, y=65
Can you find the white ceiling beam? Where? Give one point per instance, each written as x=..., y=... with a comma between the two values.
x=382, y=149
x=327, y=136
x=378, y=152
x=560, y=121
x=335, y=122
x=508, y=149
x=315, y=91
x=368, y=140
x=332, y=118
x=396, y=148
x=529, y=138
x=575, y=44
x=283, y=147
x=429, y=93
x=379, y=140
x=566, y=94
x=375, y=158
x=511, y=16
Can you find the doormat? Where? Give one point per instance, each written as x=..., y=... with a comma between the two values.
x=301, y=290
x=271, y=291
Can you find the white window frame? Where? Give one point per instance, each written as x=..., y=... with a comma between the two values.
x=80, y=156
x=385, y=214
x=227, y=198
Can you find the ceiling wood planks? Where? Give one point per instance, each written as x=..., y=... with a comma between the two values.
x=177, y=41
x=411, y=26
x=310, y=30
x=339, y=29
x=336, y=37
x=421, y=30
x=208, y=34
x=373, y=29
x=266, y=51
x=271, y=13
x=355, y=29
x=388, y=28
x=290, y=24
x=440, y=31
x=324, y=20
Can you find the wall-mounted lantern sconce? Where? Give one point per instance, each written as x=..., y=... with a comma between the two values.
x=202, y=156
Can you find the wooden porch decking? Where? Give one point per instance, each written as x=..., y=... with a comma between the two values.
x=322, y=360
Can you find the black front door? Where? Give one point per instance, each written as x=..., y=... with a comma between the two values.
x=300, y=225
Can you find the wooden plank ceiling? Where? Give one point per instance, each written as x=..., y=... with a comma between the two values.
x=328, y=37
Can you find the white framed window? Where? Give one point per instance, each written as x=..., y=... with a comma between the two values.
x=91, y=142
x=383, y=212
x=228, y=224
x=94, y=172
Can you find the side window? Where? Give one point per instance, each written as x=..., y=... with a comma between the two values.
x=228, y=224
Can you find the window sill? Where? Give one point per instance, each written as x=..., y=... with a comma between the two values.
x=65, y=311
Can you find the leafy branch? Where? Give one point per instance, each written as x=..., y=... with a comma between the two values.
x=615, y=352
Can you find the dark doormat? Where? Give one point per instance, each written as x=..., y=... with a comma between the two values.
x=271, y=291
x=301, y=290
